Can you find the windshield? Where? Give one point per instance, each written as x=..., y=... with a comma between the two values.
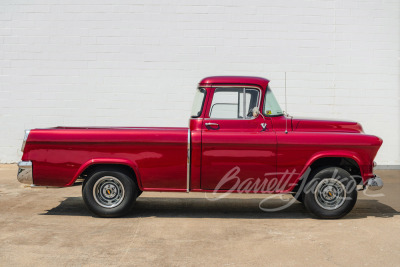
x=198, y=102
x=271, y=106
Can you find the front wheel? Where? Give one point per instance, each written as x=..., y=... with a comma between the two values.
x=109, y=193
x=331, y=194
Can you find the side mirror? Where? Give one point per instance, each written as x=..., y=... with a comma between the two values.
x=256, y=112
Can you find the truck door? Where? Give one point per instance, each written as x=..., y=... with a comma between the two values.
x=235, y=147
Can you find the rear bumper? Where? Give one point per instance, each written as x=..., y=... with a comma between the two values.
x=374, y=183
x=25, y=172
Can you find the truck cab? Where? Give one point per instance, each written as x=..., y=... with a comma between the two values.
x=231, y=135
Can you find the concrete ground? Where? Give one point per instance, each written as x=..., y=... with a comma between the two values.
x=48, y=227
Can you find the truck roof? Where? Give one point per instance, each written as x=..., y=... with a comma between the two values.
x=214, y=80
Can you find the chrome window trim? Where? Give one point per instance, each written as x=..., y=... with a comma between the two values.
x=204, y=101
x=188, y=162
x=265, y=97
x=244, y=99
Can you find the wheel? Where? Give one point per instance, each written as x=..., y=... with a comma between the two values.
x=298, y=196
x=109, y=193
x=331, y=193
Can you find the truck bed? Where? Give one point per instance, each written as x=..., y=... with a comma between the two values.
x=60, y=154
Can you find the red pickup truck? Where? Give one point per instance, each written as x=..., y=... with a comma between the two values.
x=238, y=141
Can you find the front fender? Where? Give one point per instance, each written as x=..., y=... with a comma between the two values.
x=328, y=154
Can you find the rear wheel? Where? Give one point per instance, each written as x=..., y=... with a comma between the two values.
x=331, y=193
x=109, y=193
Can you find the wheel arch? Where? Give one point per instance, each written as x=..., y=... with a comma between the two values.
x=128, y=167
x=347, y=161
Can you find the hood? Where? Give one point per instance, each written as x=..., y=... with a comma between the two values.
x=321, y=125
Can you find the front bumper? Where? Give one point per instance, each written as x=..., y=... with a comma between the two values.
x=25, y=172
x=374, y=183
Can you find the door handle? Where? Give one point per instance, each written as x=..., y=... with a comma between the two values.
x=212, y=125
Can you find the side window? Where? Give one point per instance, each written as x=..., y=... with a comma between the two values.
x=233, y=103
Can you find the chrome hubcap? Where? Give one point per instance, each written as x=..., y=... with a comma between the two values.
x=330, y=194
x=108, y=192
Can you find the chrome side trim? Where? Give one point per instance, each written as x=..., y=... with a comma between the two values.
x=25, y=172
x=188, y=163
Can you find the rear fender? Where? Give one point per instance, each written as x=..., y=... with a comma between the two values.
x=98, y=161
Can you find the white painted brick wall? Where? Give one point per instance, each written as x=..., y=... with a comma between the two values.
x=137, y=63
